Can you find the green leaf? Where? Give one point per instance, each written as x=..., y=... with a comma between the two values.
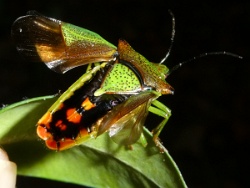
x=97, y=162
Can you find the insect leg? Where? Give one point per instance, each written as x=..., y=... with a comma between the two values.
x=161, y=110
x=143, y=140
x=91, y=65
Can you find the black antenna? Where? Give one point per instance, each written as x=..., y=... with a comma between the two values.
x=172, y=37
x=203, y=55
x=194, y=58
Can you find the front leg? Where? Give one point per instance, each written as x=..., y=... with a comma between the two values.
x=161, y=110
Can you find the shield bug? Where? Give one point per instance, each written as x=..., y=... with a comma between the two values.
x=115, y=94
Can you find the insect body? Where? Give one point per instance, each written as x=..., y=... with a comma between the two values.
x=115, y=94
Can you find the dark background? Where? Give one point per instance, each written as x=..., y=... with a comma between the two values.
x=208, y=133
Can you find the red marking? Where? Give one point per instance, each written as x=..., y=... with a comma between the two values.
x=43, y=128
x=43, y=125
x=87, y=104
x=67, y=142
x=73, y=116
x=60, y=124
x=42, y=132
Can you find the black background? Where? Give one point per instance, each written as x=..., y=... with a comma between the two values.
x=208, y=133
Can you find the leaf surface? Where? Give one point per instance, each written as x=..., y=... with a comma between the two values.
x=97, y=162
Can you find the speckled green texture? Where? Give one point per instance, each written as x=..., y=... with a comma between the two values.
x=120, y=79
x=153, y=74
x=72, y=34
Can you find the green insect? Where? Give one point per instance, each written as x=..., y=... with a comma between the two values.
x=115, y=94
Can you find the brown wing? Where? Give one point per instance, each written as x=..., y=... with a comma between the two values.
x=61, y=46
x=125, y=121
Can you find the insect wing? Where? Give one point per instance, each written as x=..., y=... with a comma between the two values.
x=60, y=45
x=125, y=121
x=128, y=129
